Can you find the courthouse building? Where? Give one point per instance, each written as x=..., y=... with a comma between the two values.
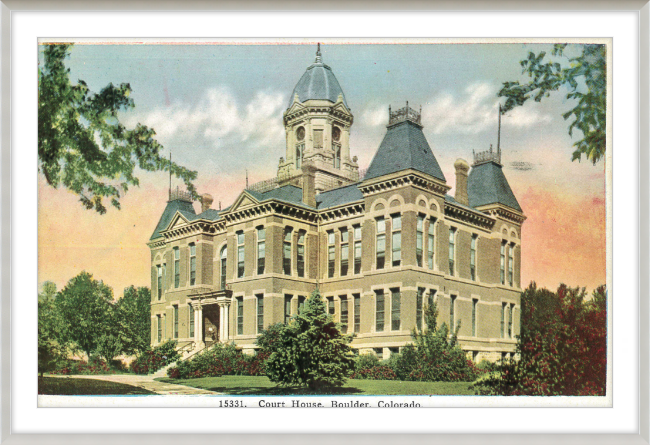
x=378, y=245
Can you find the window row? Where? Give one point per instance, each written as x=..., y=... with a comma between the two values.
x=161, y=270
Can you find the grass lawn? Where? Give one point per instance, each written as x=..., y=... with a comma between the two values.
x=253, y=385
x=70, y=386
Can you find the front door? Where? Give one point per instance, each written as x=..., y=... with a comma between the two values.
x=211, y=323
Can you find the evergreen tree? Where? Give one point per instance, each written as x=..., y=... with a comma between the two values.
x=309, y=350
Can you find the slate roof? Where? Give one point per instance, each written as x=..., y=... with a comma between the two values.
x=210, y=215
x=487, y=184
x=404, y=146
x=185, y=208
x=288, y=193
x=339, y=196
x=318, y=82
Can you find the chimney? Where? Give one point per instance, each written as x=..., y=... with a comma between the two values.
x=206, y=202
x=462, y=167
x=309, y=183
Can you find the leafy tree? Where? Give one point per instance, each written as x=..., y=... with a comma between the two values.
x=52, y=347
x=83, y=145
x=562, y=346
x=132, y=318
x=435, y=354
x=309, y=350
x=85, y=307
x=585, y=76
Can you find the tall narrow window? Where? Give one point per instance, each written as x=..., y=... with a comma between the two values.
x=381, y=243
x=300, y=147
x=159, y=281
x=396, y=243
x=357, y=312
x=260, y=312
x=395, y=308
x=337, y=155
x=511, y=308
x=357, y=249
x=331, y=254
x=192, y=264
x=419, y=240
x=511, y=263
x=164, y=275
x=287, y=308
x=241, y=255
x=177, y=267
x=474, y=306
x=472, y=257
x=430, y=242
x=286, y=261
x=299, y=150
x=344, y=251
x=344, y=314
x=261, y=250
x=175, y=321
x=503, y=320
x=452, y=250
x=379, y=312
x=330, y=306
x=224, y=256
x=159, y=321
x=318, y=138
x=301, y=303
x=301, y=254
x=419, y=303
x=240, y=315
x=503, y=262
x=191, y=321
x=452, y=312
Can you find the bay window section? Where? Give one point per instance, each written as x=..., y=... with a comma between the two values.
x=191, y=321
x=503, y=263
x=344, y=314
x=223, y=256
x=260, y=312
x=301, y=254
x=357, y=249
x=177, y=267
x=159, y=281
x=395, y=308
x=331, y=254
x=344, y=252
x=396, y=243
x=241, y=255
x=192, y=264
x=287, y=308
x=452, y=250
x=474, y=306
x=240, y=315
x=261, y=250
x=419, y=305
x=159, y=323
x=452, y=313
x=472, y=257
x=430, y=243
x=511, y=262
x=379, y=310
x=381, y=243
x=419, y=240
x=175, y=321
x=286, y=261
x=357, y=312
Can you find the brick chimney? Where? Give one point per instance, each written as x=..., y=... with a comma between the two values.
x=206, y=202
x=462, y=168
x=309, y=183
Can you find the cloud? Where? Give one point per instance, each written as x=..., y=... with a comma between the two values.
x=474, y=111
x=374, y=116
x=218, y=120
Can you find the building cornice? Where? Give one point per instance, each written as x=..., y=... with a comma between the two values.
x=402, y=179
x=503, y=212
x=469, y=216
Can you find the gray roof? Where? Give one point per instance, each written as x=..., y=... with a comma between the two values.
x=339, y=196
x=318, y=82
x=288, y=193
x=184, y=207
x=487, y=184
x=404, y=146
x=209, y=214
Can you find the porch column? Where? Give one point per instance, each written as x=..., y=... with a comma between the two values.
x=221, y=317
x=197, y=335
x=226, y=318
x=200, y=325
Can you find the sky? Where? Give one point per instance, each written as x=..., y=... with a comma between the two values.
x=218, y=109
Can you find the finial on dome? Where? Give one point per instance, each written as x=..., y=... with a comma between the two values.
x=319, y=59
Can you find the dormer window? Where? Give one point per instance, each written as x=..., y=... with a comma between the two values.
x=300, y=134
x=300, y=146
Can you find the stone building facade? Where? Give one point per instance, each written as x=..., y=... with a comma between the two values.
x=378, y=246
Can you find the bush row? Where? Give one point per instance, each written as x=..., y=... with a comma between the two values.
x=95, y=366
x=152, y=360
x=219, y=360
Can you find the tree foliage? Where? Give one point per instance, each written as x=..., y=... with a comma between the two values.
x=585, y=76
x=434, y=355
x=309, y=350
x=81, y=143
x=562, y=346
x=52, y=345
x=133, y=320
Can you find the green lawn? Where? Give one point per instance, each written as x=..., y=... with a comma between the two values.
x=249, y=385
x=70, y=386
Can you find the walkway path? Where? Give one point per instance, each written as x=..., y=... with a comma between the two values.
x=145, y=381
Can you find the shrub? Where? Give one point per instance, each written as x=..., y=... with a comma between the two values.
x=563, y=346
x=152, y=360
x=309, y=350
x=219, y=360
x=368, y=366
x=95, y=366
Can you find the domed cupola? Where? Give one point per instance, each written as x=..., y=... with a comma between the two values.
x=318, y=83
x=317, y=125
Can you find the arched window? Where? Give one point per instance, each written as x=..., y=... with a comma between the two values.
x=224, y=256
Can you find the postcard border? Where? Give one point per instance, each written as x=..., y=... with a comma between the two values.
x=7, y=6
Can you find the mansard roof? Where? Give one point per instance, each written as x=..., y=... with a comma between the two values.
x=288, y=193
x=318, y=82
x=404, y=146
x=182, y=206
x=338, y=196
x=487, y=184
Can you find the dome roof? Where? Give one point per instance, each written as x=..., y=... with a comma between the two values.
x=318, y=82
